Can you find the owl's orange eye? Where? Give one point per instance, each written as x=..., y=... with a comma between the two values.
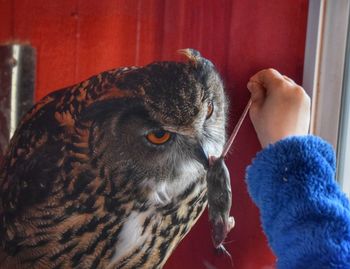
x=210, y=110
x=158, y=137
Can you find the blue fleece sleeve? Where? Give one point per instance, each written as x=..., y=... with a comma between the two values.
x=304, y=214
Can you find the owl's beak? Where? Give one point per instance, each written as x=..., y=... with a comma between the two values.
x=201, y=156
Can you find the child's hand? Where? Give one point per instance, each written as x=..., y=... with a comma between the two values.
x=280, y=108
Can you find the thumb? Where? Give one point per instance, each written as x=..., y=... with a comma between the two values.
x=257, y=91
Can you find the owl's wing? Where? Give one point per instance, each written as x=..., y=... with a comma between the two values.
x=42, y=144
x=31, y=163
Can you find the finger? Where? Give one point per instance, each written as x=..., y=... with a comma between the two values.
x=269, y=78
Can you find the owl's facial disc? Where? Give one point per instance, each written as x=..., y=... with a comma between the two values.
x=167, y=132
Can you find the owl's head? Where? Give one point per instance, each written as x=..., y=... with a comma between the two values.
x=170, y=119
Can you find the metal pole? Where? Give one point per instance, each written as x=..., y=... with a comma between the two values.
x=17, y=79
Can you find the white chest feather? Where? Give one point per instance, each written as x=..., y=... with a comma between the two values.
x=130, y=236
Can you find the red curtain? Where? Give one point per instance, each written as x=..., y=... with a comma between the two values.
x=78, y=38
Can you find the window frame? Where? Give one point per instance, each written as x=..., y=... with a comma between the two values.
x=326, y=78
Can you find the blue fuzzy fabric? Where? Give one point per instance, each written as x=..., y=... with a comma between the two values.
x=304, y=214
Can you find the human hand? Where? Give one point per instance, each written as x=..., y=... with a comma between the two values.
x=280, y=107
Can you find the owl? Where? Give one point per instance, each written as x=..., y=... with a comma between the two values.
x=111, y=172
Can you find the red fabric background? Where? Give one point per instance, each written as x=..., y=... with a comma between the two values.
x=78, y=38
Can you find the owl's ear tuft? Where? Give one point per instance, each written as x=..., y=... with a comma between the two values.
x=195, y=58
x=192, y=55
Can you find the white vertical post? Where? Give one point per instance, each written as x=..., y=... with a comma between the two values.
x=324, y=64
